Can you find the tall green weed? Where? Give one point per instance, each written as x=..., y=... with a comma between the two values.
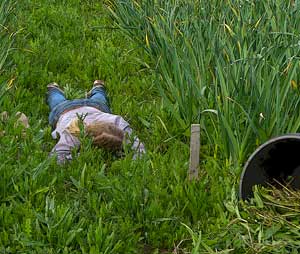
x=6, y=39
x=230, y=65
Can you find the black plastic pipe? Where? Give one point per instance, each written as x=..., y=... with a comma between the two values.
x=277, y=160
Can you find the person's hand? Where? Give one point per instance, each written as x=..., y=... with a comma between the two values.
x=139, y=152
x=62, y=157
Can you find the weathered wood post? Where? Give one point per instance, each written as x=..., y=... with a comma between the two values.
x=194, y=152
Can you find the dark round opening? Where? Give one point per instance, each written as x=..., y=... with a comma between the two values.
x=278, y=160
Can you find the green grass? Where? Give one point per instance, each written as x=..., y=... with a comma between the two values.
x=233, y=67
x=97, y=204
x=102, y=204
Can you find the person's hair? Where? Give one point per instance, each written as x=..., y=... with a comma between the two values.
x=105, y=135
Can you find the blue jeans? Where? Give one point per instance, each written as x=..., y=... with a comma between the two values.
x=58, y=103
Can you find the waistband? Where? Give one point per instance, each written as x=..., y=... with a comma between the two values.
x=72, y=104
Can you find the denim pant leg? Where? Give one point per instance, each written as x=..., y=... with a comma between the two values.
x=98, y=94
x=54, y=97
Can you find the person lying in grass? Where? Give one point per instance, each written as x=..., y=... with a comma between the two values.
x=107, y=130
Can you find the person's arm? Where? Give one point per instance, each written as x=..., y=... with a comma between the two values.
x=136, y=145
x=63, y=149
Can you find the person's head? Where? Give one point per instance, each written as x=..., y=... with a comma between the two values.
x=104, y=135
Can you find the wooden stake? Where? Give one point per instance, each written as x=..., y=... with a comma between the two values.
x=194, y=152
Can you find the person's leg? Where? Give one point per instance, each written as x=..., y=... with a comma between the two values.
x=54, y=96
x=98, y=93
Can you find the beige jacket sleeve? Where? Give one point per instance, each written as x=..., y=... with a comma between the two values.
x=63, y=149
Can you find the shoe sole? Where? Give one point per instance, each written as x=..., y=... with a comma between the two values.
x=54, y=85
